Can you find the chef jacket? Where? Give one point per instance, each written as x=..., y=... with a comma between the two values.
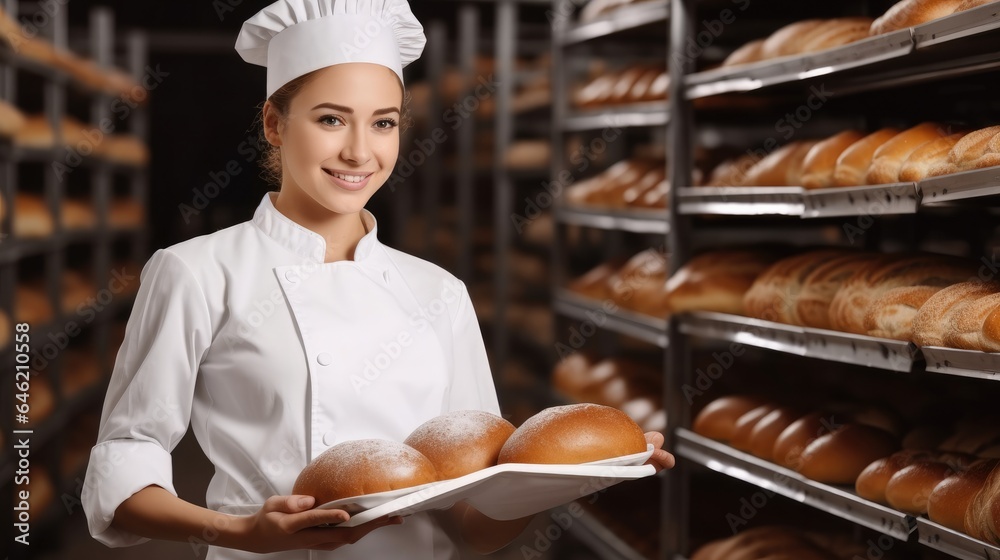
x=273, y=356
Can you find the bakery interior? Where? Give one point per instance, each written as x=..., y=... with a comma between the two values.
x=767, y=230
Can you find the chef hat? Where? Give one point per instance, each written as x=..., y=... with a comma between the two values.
x=295, y=37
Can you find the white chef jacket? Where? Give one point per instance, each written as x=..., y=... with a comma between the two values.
x=274, y=356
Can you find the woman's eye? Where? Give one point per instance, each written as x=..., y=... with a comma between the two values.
x=330, y=120
x=385, y=124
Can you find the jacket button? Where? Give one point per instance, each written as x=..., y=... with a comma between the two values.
x=324, y=359
x=291, y=276
x=329, y=438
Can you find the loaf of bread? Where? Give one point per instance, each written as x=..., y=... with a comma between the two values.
x=32, y=305
x=889, y=157
x=125, y=213
x=949, y=501
x=926, y=437
x=780, y=168
x=461, y=442
x=745, y=425
x=790, y=39
x=128, y=149
x=891, y=315
x=982, y=518
x=750, y=52
x=657, y=197
x=594, y=284
x=774, y=294
x=973, y=433
x=910, y=13
x=975, y=150
x=573, y=434
x=35, y=133
x=909, y=489
x=641, y=88
x=872, y=481
x=718, y=419
x=820, y=162
x=732, y=172
x=853, y=163
x=11, y=119
x=965, y=328
x=596, y=92
x=766, y=431
x=635, y=195
x=571, y=374
x=839, y=457
x=918, y=166
x=769, y=543
x=931, y=323
x=851, y=304
x=360, y=467
x=622, y=89
x=716, y=281
x=788, y=447
x=640, y=285
x=612, y=192
x=77, y=289
x=837, y=32
x=78, y=215
x=32, y=217
x=589, y=190
x=812, y=308
x=625, y=194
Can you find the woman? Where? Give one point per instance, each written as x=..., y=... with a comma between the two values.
x=287, y=334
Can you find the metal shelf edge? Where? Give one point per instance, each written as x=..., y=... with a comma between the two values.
x=970, y=22
x=620, y=220
x=875, y=200
x=964, y=363
x=956, y=544
x=654, y=114
x=647, y=329
x=741, y=201
x=960, y=186
x=622, y=19
x=788, y=483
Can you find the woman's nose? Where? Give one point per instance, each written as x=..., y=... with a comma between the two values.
x=357, y=150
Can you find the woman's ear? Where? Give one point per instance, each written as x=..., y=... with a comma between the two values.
x=272, y=122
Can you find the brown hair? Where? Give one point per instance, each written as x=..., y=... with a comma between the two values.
x=281, y=100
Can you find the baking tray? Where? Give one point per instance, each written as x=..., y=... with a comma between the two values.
x=639, y=326
x=514, y=490
x=839, y=501
x=622, y=19
x=894, y=355
x=794, y=68
x=741, y=201
x=970, y=22
x=654, y=113
x=636, y=221
x=960, y=186
x=875, y=200
x=954, y=543
x=967, y=363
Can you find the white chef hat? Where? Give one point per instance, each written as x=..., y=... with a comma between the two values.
x=295, y=37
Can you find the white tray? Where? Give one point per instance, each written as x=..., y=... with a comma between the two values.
x=512, y=490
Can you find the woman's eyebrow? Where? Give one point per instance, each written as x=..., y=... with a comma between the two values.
x=344, y=109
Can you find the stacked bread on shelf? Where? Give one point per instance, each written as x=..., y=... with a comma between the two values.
x=802, y=37
x=628, y=385
x=11, y=119
x=634, y=84
x=853, y=158
x=632, y=183
x=638, y=284
x=910, y=13
x=32, y=218
x=784, y=543
x=530, y=154
x=37, y=133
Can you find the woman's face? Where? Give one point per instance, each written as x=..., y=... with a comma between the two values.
x=340, y=141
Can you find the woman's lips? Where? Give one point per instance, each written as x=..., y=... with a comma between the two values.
x=347, y=185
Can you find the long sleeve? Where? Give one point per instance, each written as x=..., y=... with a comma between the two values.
x=472, y=385
x=148, y=405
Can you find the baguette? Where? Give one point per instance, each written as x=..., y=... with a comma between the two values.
x=919, y=164
x=821, y=161
x=790, y=39
x=836, y=33
x=780, y=168
x=910, y=13
x=853, y=163
x=774, y=294
x=932, y=320
x=750, y=52
x=889, y=158
x=732, y=172
x=891, y=315
x=976, y=150
x=716, y=281
x=818, y=289
x=965, y=329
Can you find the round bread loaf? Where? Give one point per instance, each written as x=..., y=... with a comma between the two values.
x=812, y=307
x=573, y=434
x=718, y=419
x=767, y=430
x=950, y=499
x=780, y=168
x=364, y=466
x=820, y=162
x=853, y=163
x=840, y=456
x=570, y=376
x=891, y=315
x=909, y=489
x=983, y=513
x=918, y=166
x=931, y=323
x=888, y=159
x=872, y=481
x=965, y=328
x=745, y=424
x=799, y=434
x=716, y=281
x=461, y=442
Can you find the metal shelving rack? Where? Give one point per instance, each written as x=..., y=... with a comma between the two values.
x=47, y=440
x=950, y=47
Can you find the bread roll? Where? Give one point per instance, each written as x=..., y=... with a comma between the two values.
x=640, y=285
x=596, y=92
x=794, y=439
x=852, y=302
x=872, y=481
x=766, y=431
x=570, y=376
x=745, y=424
x=909, y=489
x=918, y=166
x=889, y=158
x=573, y=434
x=718, y=419
x=891, y=315
x=36, y=133
x=128, y=149
x=640, y=409
x=641, y=88
x=853, y=163
x=989, y=338
x=11, y=119
x=839, y=456
x=837, y=33
x=910, y=13
x=626, y=82
x=78, y=215
x=821, y=160
x=774, y=294
x=594, y=284
x=649, y=180
x=983, y=514
x=965, y=328
x=32, y=217
x=812, y=307
x=976, y=150
x=77, y=289
x=125, y=213
x=790, y=39
x=933, y=318
x=360, y=467
x=750, y=52
x=528, y=154
x=949, y=501
x=781, y=168
x=32, y=305
x=716, y=281
x=461, y=442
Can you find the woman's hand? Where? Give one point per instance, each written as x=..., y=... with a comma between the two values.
x=660, y=458
x=289, y=523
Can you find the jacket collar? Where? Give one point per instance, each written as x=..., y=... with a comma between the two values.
x=307, y=243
